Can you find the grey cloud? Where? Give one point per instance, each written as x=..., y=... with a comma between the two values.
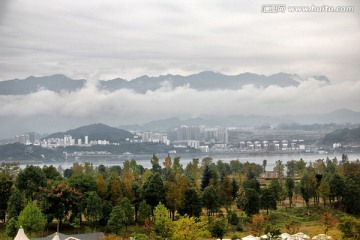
x=129, y=39
x=317, y=96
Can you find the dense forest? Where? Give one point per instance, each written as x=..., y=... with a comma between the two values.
x=201, y=200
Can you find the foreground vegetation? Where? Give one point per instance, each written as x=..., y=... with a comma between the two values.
x=199, y=201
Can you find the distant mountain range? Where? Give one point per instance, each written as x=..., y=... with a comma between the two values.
x=201, y=81
x=56, y=83
x=292, y=121
x=97, y=131
x=343, y=136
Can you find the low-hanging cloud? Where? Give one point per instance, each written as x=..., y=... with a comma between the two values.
x=310, y=96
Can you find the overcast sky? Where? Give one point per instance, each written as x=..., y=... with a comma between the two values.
x=95, y=40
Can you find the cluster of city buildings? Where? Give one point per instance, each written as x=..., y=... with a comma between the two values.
x=198, y=137
x=274, y=145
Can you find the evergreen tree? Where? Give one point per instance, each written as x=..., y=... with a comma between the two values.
x=207, y=175
x=29, y=180
x=192, y=204
x=162, y=224
x=12, y=227
x=156, y=168
x=290, y=186
x=144, y=212
x=154, y=190
x=218, y=228
x=15, y=204
x=211, y=200
x=268, y=199
x=251, y=202
x=128, y=210
x=32, y=219
x=93, y=212
x=117, y=219
x=5, y=193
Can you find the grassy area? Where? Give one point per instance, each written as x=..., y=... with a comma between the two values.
x=296, y=219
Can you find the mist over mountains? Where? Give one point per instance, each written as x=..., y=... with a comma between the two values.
x=341, y=116
x=57, y=103
x=202, y=81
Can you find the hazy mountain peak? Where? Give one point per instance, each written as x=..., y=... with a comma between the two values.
x=206, y=80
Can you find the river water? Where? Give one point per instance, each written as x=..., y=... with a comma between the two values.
x=144, y=159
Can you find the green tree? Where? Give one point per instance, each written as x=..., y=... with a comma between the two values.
x=337, y=186
x=211, y=200
x=106, y=209
x=156, y=168
x=32, y=219
x=218, y=228
x=290, y=187
x=29, y=180
x=290, y=168
x=192, y=171
x=264, y=165
x=154, y=190
x=253, y=184
x=144, y=212
x=279, y=168
x=351, y=195
x=192, y=203
x=236, y=166
x=15, y=203
x=175, y=189
x=308, y=187
x=12, y=227
x=250, y=202
x=117, y=219
x=51, y=172
x=222, y=168
x=162, y=224
x=5, y=193
x=350, y=228
x=268, y=199
x=206, y=177
x=93, y=212
x=128, y=210
x=324, y=190
x=235, y=188
x=83, y=183
x=300, y=167
x=190, y=228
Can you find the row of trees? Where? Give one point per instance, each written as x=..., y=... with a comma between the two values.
x=118, y=196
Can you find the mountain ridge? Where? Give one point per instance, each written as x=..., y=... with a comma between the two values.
x=97, y=131
x=340, y=116
x=206, y=80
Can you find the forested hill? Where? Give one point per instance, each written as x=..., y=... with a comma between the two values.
x=343, y=136
x=97, y=131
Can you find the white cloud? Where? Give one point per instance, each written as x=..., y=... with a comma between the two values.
x=311, y=96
